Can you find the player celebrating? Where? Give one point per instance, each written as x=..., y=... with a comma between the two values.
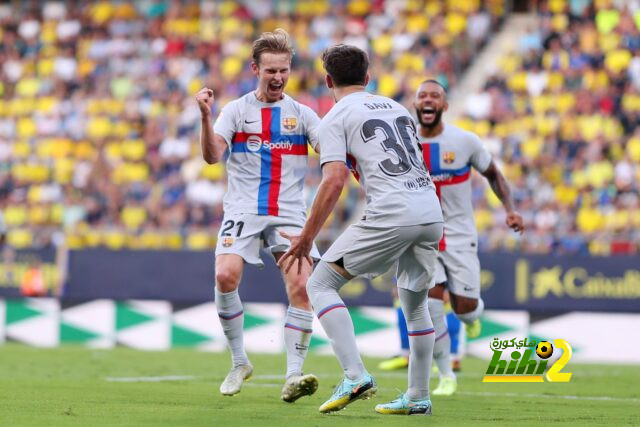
x=266, y=133
x=402, y=222
x=450, y=153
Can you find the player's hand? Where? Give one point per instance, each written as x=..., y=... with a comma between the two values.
x=515, y=221
x=205, y=98
x=298, y=251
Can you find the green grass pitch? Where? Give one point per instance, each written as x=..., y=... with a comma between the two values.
x=82, y=387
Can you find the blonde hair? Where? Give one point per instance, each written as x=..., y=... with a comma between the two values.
x=276, y=42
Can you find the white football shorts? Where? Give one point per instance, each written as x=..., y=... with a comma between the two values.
x=369, y=251
x=460, y=269
x=245, y=234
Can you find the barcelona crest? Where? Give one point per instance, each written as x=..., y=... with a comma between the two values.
x=227, y=241
x=449, y=157
x=290, y=123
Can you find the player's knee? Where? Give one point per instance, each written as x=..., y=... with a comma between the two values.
x=298, y=290
x=324, y=278
x=473, y=310
x=227, y=280
x=465, y=305
x=437, y=292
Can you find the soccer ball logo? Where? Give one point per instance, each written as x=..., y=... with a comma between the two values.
x=544, y=349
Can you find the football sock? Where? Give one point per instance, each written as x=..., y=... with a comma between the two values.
x=442, y=346
x=472, y=315
x=402, y=329
x=453, y=324
x=421, y=340
x=232, y=319
x=297, y=334
x=322, y=287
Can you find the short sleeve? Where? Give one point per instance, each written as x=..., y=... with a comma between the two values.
x=311, y=121
x=332, y=139
x=480, y=156
x=226, y=123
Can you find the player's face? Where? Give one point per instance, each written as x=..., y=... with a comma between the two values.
x=273, y=74
x=430, y=102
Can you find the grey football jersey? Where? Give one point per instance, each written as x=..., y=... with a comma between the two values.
x=450, y=157
x=376, y=137
x=268, y=154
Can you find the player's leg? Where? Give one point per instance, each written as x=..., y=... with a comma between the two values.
x=323, y=287
x=231, y=314
x=463, y=271
x=421, y=339
x=357, y=251
x=299, y=318
x=401, y=360
x=455, y=333
x=416, y=270
x=297, y=334
x=441, y=355
x=467, y=309
x=238, y=242
x=442, y=346
x=402, y=328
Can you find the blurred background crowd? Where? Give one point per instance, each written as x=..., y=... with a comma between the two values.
x=562, y=113
x=99, y=131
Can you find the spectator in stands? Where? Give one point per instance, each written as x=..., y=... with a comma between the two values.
x=95, y=138
x=569, y=132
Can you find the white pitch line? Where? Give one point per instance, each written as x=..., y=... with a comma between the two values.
x=150, y=379
x=377, y=375
x=463, y=393
x=403, y=374
x=261, y=385
x=274, y=377
x=549, y=396
x=491, y=394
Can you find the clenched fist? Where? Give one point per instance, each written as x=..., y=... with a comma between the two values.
x=515, y=221
x=204, y=97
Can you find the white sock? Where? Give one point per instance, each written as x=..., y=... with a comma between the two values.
x=297, y=334
x=442, y=346
x=472, y=315
x=231, y=317
x=322, y=288
x=421, y=340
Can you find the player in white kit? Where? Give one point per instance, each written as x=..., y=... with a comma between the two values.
x=402, y=223
x=266, y=133
x=450, y=153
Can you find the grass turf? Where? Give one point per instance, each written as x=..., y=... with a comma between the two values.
x=70, y=386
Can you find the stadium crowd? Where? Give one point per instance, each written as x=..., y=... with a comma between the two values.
x=99, y=130
x=562, y=113
x=98, y=126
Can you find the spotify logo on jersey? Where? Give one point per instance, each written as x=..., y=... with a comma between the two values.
x=254, y=142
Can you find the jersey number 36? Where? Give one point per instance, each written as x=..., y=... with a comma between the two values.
x=403, y=129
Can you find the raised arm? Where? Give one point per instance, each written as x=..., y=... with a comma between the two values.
x=501, y=189
x=213, y=145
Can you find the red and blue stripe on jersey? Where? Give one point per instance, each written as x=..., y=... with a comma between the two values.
x=270, y=159
x=442, y=176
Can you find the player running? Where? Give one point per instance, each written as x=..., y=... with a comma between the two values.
x=450, y=153
x=266, y=133
x=402, y=222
